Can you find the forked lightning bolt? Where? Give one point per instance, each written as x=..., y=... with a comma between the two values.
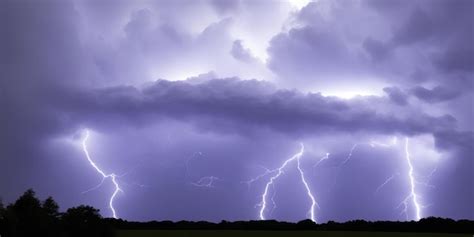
x=112, y=176
x=279, y=171
x=413, y=195
x=308, y=190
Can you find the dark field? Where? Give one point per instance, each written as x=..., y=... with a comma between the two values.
x=239, y=233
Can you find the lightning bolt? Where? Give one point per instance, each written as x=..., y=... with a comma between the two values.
x=112, y=176
x=321, y=160
x=308, y=190
x=349, y=156
x=279, y=171
x=428, y=178
x=267, y=171
x=206, y=182
x=413, y=195
x=386, y=182
x=372, y=144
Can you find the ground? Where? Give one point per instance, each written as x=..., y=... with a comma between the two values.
x=235, y=233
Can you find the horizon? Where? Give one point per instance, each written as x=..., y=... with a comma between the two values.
x=210, y=110
x=12, y=207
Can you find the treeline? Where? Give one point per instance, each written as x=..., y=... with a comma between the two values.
x=28, y=216
x=427, y=225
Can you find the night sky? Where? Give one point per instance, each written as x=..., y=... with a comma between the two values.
x=191, y=107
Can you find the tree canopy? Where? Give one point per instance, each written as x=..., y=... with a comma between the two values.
x=29, y=216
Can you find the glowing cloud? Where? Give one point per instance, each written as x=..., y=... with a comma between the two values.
x=299, y=4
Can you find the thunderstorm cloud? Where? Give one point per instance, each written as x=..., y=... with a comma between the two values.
x=176, y=91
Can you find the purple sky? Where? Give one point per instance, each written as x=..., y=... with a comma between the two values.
x=176, y=92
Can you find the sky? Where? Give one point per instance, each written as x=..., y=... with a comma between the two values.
x=240, y=109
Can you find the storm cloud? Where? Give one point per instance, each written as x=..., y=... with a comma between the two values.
x=173, y=91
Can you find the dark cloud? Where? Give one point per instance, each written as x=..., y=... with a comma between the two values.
x=43, y=55
x=416, y=28
x=396, y=95
x=308, y=55
x=243, y=106
x=461, y=140
x=458, y=166
x=400, y=38
x=377, y=50
x=446, y=28
x=385, y=5
x=225, y=6
x=435, y=95
x=456, y=60
x=240, y=53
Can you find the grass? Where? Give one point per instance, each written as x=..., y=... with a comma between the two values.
x=243, y=233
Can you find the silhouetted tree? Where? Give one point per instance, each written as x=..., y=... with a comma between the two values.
x=83, y=215
x=2, y=218
x=50, y=216
x=306, y=224
x=85, y=221
x=2, y=208
x=27, y=216
x=24, y=216
x=50, y=208
x=27, y=206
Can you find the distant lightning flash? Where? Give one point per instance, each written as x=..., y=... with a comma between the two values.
x=267, y=171
x=279, y=171
x=413, y=195
x=388, y=180
x=205, y=182
x=112, y=176
x=373, y=144
x=322, y=159
x=350, y=154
